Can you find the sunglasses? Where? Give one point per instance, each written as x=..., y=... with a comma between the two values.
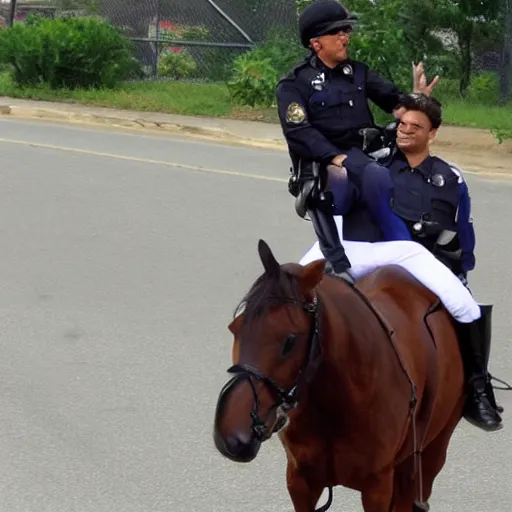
x=345, y=29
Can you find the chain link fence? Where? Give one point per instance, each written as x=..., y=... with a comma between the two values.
x=196, y=39
x=175, y=39
x=200, y=39
x=494, y=62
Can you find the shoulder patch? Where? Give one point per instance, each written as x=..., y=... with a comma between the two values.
x=295, y=113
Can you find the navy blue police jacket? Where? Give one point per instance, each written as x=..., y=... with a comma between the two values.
x=321, y=110
x=434, y=191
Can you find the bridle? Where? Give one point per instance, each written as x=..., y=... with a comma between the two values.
x=286, y=399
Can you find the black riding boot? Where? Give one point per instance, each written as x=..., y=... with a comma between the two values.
x=326, y=231
x=475, y=341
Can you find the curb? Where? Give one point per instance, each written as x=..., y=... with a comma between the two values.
x=139, y=123
x=482, y=142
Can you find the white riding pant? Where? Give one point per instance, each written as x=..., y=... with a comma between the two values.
x=365, y=257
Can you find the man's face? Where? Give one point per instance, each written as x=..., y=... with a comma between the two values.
x=414, y=132
x=332, y=48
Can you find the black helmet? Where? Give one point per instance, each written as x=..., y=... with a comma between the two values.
x=321, y=17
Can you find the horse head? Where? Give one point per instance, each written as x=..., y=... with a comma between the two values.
x=274, y=348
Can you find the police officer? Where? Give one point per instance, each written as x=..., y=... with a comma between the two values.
x=432, y=198
x=428, y=193
x=323, y=109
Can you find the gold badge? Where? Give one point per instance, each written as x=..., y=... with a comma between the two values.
x=295, y=114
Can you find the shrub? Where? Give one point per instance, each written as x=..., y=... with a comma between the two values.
x=255, y=81
x=484, y=88
x=177, y=64
x=257, y=72
x=67, y=53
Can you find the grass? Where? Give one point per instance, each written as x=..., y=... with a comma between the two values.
x=213, y=100
x=460, y=113
x=176, y=97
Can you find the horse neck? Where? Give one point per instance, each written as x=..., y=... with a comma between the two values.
x=354, y=345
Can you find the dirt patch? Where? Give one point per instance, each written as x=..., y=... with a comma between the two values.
x=474, y=150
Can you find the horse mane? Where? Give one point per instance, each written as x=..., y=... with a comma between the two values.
x=266, y=292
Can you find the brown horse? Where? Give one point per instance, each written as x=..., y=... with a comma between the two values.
x=364, y=384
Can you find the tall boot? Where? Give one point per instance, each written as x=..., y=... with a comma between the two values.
x=475, y=340
x=326, y=231
x=486, y=310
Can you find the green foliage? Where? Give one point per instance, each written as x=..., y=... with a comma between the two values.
x=257, y=72
x=254, y=81
x=472, y=24
x=302, y=4
x=484, y=88
x=502, y=134
x=66, y=53
x=379, y=41
x=177, y=65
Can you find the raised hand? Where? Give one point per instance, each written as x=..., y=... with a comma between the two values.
x=420, y=80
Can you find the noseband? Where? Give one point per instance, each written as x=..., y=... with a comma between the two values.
x=286, y=399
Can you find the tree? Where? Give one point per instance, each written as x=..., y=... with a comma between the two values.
x=471, y=21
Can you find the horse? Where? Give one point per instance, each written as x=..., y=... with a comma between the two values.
x=363, y=385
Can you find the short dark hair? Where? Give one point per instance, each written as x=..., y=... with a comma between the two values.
x=423, y=103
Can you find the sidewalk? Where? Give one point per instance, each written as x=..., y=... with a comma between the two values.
x=472, y=149
x=230, y=130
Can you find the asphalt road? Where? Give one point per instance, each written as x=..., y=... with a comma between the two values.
x=121, y=266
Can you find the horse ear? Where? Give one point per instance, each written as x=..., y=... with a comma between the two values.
x=234, y=326
x=311, y=275
x=270, y=264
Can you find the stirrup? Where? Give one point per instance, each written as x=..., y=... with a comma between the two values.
x=489, y=390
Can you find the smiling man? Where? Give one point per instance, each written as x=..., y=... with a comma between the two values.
x=428, y=193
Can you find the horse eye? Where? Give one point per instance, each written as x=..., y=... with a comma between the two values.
x=289, y=343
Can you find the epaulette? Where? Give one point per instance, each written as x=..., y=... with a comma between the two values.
x=292, y=74
x=449, y=167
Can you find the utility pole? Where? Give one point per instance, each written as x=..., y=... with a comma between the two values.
x=506, y=55
x=12, y=13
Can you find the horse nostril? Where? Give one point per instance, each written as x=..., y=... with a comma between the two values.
x=241, y=449
x=234, y=445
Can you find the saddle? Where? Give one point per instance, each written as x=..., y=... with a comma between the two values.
x=307, y=184
x=310, y=191
x=378, y=141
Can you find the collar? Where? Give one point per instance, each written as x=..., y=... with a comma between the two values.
x=401, y=164
x=338, y=70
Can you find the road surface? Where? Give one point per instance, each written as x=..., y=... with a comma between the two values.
x=121, y=265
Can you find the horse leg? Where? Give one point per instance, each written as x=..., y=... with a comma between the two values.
x=434, y=455
x=377, y=494
x=432, y=461
x=404, y=488
x=304, y=492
